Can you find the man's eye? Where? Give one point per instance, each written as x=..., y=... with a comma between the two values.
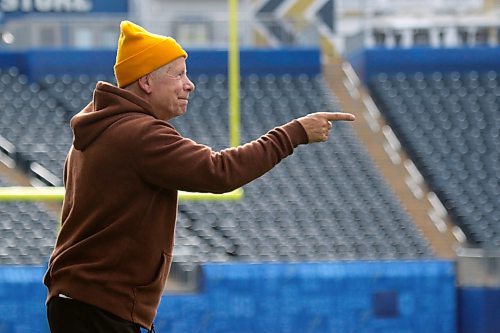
x=178, y=75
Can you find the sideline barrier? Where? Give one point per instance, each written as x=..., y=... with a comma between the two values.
x=343, y=296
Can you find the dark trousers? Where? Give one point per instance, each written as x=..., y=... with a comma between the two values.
x=71, y=316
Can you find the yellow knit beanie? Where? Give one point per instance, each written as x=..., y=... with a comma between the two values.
x=141, y=52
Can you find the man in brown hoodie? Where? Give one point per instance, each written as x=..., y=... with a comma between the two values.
x=113, y=253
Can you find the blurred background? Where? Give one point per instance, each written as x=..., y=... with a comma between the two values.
x=391, y=226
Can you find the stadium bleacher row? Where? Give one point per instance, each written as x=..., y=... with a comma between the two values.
x=450, y=125
x=35, y=122
x=28, y=232
x=324, y=202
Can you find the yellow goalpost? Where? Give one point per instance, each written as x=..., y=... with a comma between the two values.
x=48, y=193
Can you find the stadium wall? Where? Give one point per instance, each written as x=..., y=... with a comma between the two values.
x=355, y=296
x=36, y=64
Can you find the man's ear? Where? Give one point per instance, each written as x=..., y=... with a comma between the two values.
x=145, y=84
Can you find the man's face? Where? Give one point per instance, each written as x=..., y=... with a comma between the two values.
x=170, y=90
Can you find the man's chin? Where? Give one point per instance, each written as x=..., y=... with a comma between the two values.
x=182, y=111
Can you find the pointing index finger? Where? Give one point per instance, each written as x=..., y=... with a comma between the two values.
x=338, y=116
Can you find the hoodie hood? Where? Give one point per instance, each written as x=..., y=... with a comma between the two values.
x=109, y=104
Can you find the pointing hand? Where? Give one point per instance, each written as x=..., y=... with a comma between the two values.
x=318, y=125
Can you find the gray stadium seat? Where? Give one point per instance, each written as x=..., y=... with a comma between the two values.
x=326, y=202
x=449, y=123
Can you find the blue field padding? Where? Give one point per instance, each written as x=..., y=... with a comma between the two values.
x=22, y=300
x=323, y=297
x=479, y=309
x=357, y=296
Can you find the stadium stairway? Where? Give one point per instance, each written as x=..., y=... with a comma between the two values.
x=388, y=155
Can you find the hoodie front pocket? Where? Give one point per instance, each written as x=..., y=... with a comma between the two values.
x=147, y=297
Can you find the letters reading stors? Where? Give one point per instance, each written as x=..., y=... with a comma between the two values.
x=28, y=6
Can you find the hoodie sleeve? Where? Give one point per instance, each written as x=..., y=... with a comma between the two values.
x=166, y=159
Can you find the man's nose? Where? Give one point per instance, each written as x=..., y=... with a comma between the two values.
x=189, y=85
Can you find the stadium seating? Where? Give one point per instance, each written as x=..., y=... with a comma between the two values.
x=27, y=232
x=34, y=121
x=450, y=125
x=325, y=202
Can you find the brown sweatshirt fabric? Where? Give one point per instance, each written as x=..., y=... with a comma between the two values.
x=121, y=176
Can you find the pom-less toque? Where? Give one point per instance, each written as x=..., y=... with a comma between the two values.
x=141, y=52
